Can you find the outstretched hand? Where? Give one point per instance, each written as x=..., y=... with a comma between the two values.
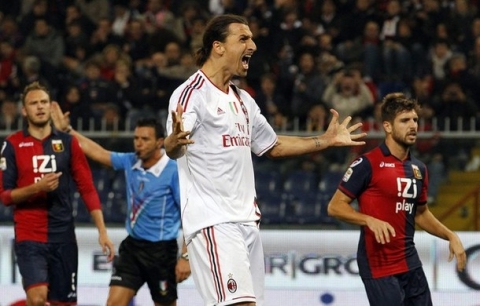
x=341, y=134
x=177, y=127
x=60, y=120
x=176, y=141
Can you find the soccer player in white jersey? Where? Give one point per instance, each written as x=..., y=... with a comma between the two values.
x=212, y=129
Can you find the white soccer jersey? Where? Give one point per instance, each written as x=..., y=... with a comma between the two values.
x=216, y=173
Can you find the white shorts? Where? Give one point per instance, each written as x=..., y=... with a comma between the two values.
x=227, y=264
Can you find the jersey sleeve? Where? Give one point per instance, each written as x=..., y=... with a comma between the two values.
x=189, y=103
x=8, y=173
x=422, y=200
x=356, y=178
x=175, y=188
x=121, y=161
x=82, y=177
x=263, y=135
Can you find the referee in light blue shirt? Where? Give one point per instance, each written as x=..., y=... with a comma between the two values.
x=149, y=253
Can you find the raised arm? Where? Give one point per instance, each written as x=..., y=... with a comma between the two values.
x=92, y=149
x=336, y=135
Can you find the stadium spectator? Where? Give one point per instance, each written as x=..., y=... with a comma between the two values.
x=457, y=71
x=184, y=23
x=8, y=69
x=158, y=85
x=108, y=59
x=136, y=43
x=454, y=108
x=149, y=254
x=289, y=33
x=437, y=62
x=95, y=10
x=348, y=94
x=96, y=91
x=74, y=13
x=317, y=119
x=103, y=36
x=75, y=39
x=328, y=17
x=126, y=90
x=31, y=72
x=71, y=101
x=173, y=53
x=356, y=20
x=9, y=32
x=45, y=244
x=270, y=100
x=45, y=43
x=39, y=10
x=158, y=16
x=181, y=71
x=121, y=18
x=262, y=62
x=387, y=230
x=473, y=59
x=10, y=118
x=308, y=86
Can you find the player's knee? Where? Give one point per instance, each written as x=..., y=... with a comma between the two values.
x=37, y=301
x=111, y=302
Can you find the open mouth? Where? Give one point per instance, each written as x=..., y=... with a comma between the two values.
x=245, y=61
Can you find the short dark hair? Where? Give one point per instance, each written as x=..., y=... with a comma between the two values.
x=154, y=123
x=216, y=30
x=397, y=102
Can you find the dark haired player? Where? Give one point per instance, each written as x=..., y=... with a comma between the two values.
x=37, y=166
x=391, y=187
x=223, y=126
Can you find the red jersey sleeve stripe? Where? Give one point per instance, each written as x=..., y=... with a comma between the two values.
x=184, y=98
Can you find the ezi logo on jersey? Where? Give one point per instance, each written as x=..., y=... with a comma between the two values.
x=43, y=164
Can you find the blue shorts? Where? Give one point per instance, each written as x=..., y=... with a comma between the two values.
x=405, y=289
x=51, y=264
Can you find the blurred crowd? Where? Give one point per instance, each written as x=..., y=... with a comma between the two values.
x=108, y=62
x=112, y=59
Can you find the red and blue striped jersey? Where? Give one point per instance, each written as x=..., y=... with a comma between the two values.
x=388, y=189
x=46, y=216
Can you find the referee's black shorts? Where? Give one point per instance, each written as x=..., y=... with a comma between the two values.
x=141, y=261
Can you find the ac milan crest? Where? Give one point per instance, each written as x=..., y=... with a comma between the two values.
x=231, y=284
